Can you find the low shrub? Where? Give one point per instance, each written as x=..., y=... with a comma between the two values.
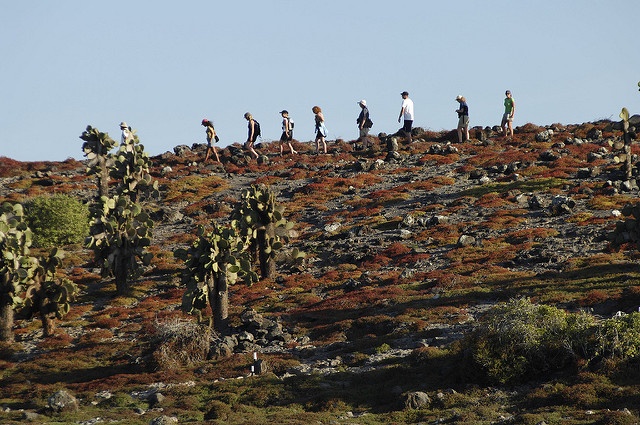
x=178, y=343
x=57, y=220
x=519, y=339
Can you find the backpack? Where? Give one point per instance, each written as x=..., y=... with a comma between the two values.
x=256, y=128
x=291, y=124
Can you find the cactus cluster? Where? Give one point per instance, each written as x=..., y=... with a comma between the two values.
x=96, y=149
x=120, y=229
x=215, y=260
x=47, y=296
x=131, y=167
x=260, y=220
x=17, y=267
x=24, y=280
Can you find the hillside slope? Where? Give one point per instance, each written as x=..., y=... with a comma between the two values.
x=403, y=257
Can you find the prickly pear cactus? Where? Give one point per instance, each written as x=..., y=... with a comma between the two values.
x=131, y=166
x=261, y=221
x=121, y=229
x=120, y=233
x=17, y=268
x=214, y=261
x=96, y=149
x=48, y=296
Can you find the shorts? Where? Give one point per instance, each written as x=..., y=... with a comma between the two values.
x=507, y=117
x=407, y=126
x=364, y=131
x=285, y=138
x=463, y=121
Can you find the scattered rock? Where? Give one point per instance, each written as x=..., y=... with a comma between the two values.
x=416, y=400
x=164, y=420
x=63, y=401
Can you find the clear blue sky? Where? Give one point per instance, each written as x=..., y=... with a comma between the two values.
x=163, y=66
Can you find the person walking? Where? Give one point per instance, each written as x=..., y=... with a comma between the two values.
x=126, y=132
x=364, y=124
x=321, y=129
x=463, y=119
x=287, y=132
x=509, y=112
x=253, y=133
x=406, y=113
x=212, y=138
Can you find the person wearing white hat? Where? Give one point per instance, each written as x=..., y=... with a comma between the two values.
x=463, y=119
x=406, y=113
x=364, y=124
x=126, y=132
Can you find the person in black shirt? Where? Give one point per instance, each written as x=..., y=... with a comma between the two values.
x=463, y=119
x=364, y=125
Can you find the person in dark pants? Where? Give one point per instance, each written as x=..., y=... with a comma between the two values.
x=406, y=113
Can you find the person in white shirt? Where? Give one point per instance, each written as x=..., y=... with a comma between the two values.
x=126, y=132
x=406, y=113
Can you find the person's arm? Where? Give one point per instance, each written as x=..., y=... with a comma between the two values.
x=513, y=107
x=401, y=113
x=287, y=126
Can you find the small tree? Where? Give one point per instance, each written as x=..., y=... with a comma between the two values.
x=261, y=221
x=17, y=268
x=57, y=220
x=215, y=260
x=48, y=297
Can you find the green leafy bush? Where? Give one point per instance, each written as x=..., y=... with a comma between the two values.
x=57, y=220
x=519, y=339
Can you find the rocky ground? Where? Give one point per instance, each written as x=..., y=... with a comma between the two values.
x=537, y=206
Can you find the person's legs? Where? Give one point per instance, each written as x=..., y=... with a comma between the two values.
x=503, y=124
x=407, y=129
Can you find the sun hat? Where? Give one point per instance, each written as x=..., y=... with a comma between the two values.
x=205, y=121
x=362, y=102
x=123, y=125
x=284, y=111
x=458, y=97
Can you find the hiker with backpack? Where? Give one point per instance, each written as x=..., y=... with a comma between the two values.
x=364, y=125
x=254, y=132
x=212, y=137
x=287, y=132
x=321, y=129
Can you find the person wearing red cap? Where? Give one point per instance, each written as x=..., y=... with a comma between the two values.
x=211, y=137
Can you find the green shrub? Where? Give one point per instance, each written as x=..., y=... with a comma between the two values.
x=520, y=339
x=57, y=220
x=619, y=337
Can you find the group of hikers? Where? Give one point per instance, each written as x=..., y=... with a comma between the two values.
x=364, y=126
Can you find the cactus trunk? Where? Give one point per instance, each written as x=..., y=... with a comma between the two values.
x=219, y=301
x=120, y=273
x=48, y=323
x=267, y=262
x=6, y=321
